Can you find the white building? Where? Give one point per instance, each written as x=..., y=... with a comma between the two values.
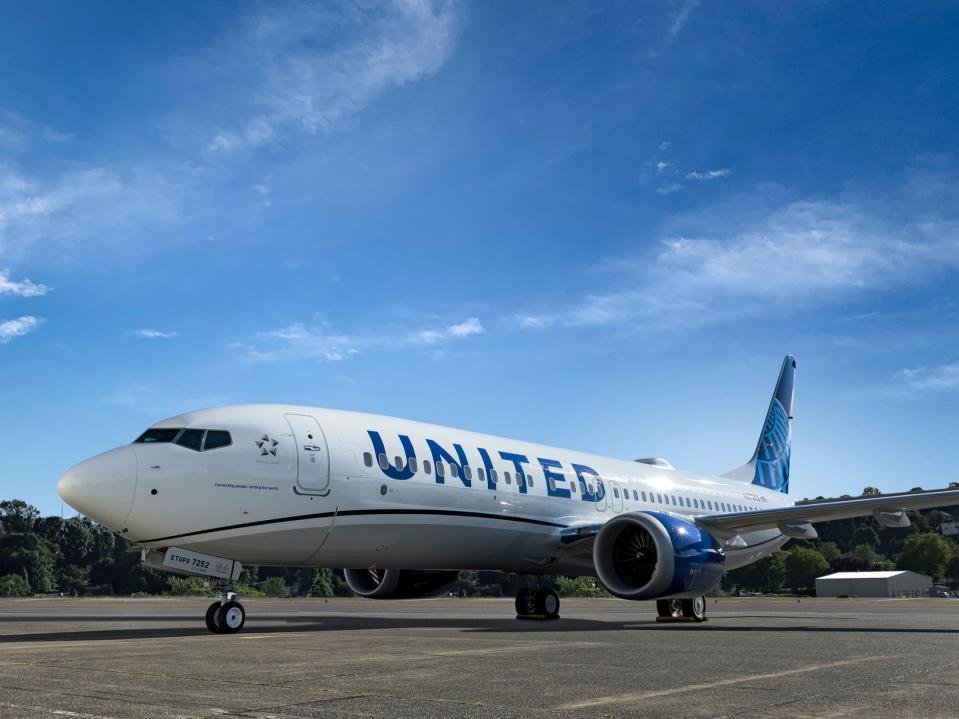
x=873, y=584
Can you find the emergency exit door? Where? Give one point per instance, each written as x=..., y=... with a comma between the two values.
x=312, y=454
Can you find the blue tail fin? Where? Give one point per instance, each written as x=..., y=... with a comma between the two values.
x=769, y=466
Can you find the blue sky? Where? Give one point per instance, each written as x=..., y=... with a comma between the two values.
x=598, y=226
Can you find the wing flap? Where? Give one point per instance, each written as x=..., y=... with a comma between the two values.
x=735, y=522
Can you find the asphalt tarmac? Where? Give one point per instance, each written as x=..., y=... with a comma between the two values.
x=98, y=659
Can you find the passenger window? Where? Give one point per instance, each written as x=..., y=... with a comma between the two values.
x=688, y=503
x=191, y=439
x=506, y=475
x=454, y=470
x=412, y=461
x=216, y=438
x=674, y=500
x=467, y=471
x=616, y=492
x=659, y=498
x=643, y=495
x=493, y=476
x=709, y=503
x=397, y=462
x=635, y=496
x=572, y=487
x=529, y=479
x=368, y=459
x=384, y=462
x=440, y=469
x=481, y=473
x=426, y=466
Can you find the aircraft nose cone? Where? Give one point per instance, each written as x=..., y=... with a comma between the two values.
x=102, y=487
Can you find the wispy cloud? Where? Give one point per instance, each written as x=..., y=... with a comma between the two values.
x=472, y=326
x=734, y=264
x=150, y=334
x=680, y=19
x=23, y=288
x=17, y=133
x=297, y=78
x=709, y=175
x=10, y=329
x=669, y=189
x=300, y=342
x=927, y=380
x=317, y=342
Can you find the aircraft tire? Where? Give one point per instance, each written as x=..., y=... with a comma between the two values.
x=695, y=608
x=547, y=603
x=522, y=603
x=230, y=618
x=669, y=607
x=211, y=618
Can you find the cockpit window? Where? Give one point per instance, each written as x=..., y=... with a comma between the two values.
x=217, y=438
x=156, y=435
x=191, y=439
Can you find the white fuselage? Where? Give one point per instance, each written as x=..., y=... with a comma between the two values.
x=307, y=486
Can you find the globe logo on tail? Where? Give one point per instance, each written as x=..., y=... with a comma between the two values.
x=772, y=455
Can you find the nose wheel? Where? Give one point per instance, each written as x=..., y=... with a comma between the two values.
x=226, y=616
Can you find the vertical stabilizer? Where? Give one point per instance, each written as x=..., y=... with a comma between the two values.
x=769, y=466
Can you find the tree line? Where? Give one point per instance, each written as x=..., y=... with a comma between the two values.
x=77, y=557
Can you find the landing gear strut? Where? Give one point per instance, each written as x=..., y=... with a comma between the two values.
x=536, y=602
x=688, y=609
x=226, y=616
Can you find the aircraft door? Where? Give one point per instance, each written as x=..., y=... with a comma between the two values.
x=617, y=498
x=598, y=486
x=313, y=457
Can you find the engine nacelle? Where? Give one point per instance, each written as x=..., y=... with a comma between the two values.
x=652, y=555
x=399, y=583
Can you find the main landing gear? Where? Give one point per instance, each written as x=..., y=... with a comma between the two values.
x=693, y=610
x=226, y=616
x=536, y=602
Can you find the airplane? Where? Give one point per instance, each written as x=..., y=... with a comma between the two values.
x=404, y=506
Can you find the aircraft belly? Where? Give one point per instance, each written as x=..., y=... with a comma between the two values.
x=277, y=546
x=430, y=542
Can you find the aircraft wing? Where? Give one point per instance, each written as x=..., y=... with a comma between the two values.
x=887, y=508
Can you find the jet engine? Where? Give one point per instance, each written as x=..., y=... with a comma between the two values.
x=653, y=555
x=399, y=583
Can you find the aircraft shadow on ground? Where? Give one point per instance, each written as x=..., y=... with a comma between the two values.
x=506, y=625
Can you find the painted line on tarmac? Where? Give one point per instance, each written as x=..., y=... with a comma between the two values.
x=639, y=696
x=55, y=712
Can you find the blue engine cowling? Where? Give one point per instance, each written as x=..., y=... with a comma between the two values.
x=654, y=555
x=399, y=583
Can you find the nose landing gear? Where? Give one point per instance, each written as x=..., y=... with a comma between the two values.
x=226, y=616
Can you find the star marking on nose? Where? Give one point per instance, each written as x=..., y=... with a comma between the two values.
x=266, y=445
